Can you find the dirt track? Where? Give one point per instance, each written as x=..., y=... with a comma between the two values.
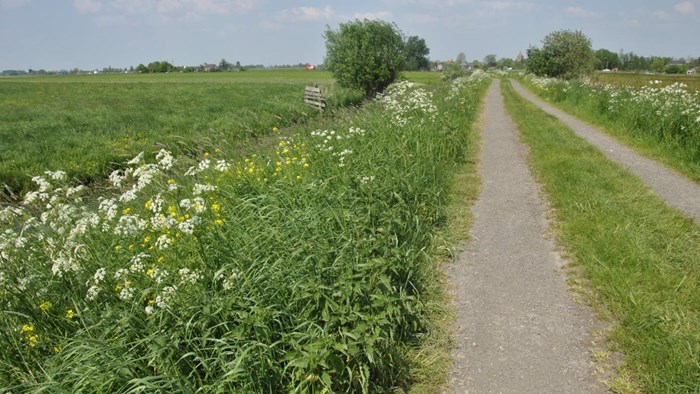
x=678, y=191
x=518, y=329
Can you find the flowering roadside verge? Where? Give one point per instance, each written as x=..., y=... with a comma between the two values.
x=298, y=268
x=667, y=114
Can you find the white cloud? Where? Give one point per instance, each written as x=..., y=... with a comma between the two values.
x=14, y=3
x=581, y=12
x=307, y=13
x=685, y=7
x=372, y=15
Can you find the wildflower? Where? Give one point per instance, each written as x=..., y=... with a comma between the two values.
x=165, y=297
x=70, y=314
x=56, y=175
x=163, y=242
x=165, y=159
x=92, y=293
x=45, y=306
x=218, y=222
x=200, y=188
x=135, y=160
x=188, y=276
x=126, y=293
x=275, y=129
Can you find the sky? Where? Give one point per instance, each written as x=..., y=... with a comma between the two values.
x=93, y=34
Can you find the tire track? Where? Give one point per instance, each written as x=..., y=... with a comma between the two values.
x=518, y=331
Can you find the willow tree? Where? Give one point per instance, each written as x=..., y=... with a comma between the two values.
x=367, y=55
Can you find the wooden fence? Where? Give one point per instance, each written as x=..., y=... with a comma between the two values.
x=313, y=97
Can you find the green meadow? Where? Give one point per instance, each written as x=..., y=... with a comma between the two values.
x=86, y=125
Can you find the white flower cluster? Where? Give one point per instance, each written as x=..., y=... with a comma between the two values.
x=54, y=232
x=406, y=103
x=326, y=141
x=458, y=85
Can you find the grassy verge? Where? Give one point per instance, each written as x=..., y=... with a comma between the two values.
x=431, y=362
x=659, y=121
x=639, y=255
x=303, y=267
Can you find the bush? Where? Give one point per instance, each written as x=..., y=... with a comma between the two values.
x=367, y=55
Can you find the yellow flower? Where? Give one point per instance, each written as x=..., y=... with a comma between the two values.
x=45, y=306
x=56, y=349
x=126, y=211
x=70, y=314
x=118, y=248
x=275, y=129
x=217, y=150
x=206, y=154
x=26, y=329
x=161, y=259
x=171, y=181
x=218, y=222
x=148, y=204
x=298, y=177
x=306, y=165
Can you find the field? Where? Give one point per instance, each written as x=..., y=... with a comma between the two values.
x=86, y=125
x=305, y=263
x=638, y=80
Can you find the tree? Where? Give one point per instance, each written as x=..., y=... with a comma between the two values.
x=416, y=54
x=490, y=60
x=565, y=54
x=606, y=59
x=658, y=64
x=224, y=65
x=141, y=69
x=367, y=55
x=506, y=63
x=461, y=58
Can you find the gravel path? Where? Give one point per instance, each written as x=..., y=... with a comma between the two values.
x=518, y=331
x=678, y=191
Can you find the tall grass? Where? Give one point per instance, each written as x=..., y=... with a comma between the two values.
x=660, y=119
x=639, y=255
x=301, y=268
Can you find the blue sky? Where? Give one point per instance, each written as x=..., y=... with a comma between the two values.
x=89, y=34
